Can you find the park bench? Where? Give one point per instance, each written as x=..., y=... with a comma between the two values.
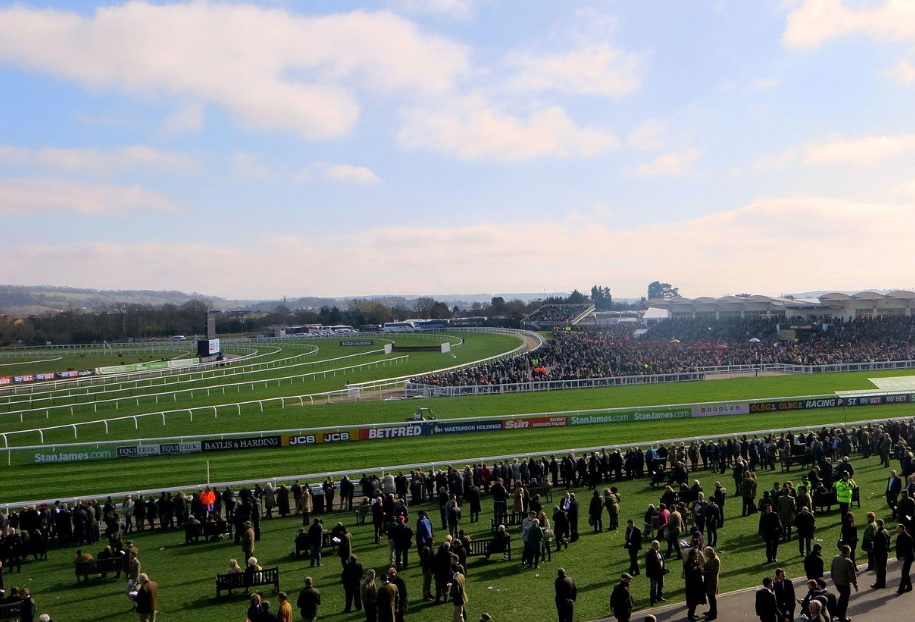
x=237, y=581
x=116, y=564
x=544, y=490
x=9, y=612
x=828, y=499
x=798, y=455
x=509, y=519
x=209, y=531
x=477, y=548
x=326, y=543
x=362, y=511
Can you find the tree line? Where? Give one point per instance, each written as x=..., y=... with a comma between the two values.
x=122, y=322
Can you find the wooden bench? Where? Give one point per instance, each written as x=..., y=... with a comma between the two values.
x=544, y=490
x=209, y=531
x=477, y=548
x=236, y=581
x=9, y=612
x=116, y=564
x=828, y=499
x=509, y=519
x=326, y=543
x=362, y=511
x=802, y=459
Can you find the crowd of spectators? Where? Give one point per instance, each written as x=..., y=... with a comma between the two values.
x=689, y=345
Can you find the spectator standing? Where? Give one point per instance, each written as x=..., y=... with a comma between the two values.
x=351, y=578
x=284, y=613
x=309, y=600
x=633, y=544
x=881, y=552
x=368, y=590
x=906, y=555
x=655, y=569
x=565, y=593
x=766, y=605
x=784, y=596
x=711, y=572
x=621, y=599
x=147, y=598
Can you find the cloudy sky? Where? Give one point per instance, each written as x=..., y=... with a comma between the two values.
x=339, y=148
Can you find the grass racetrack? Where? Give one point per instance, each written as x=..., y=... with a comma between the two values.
x=186, y=572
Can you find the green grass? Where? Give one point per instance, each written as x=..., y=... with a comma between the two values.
x=186, y=573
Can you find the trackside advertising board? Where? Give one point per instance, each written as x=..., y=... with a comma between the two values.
x=306, y=438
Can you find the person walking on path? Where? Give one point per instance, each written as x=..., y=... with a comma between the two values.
x=655, y=570
x=785, y=598
x=906, y=555
x=880, y=552
x=844, y=576
x=621, y=602
x=566, y=593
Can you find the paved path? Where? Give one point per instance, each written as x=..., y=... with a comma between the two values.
x=866, y=605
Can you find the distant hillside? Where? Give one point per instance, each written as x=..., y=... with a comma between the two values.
x=23, y=300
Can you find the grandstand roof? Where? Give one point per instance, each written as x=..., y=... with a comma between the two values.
x=867, y=298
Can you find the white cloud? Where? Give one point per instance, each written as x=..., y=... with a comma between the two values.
x=33, y=195
x=96, y=161
x=250, y=166
x=474, y=129
x=670, y=164
x=351, y=174
x=903, y=73
x=596, y=69
x=186, y=120
x=777, y=161
x=457, y=9
x=647, y=135
x=817, y=21
x=272, y=70
x=862, y=151
x=723, y=251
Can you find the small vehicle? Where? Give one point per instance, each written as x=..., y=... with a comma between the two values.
x=423, y=414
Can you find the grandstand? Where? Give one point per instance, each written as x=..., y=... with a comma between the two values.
x=555, y=315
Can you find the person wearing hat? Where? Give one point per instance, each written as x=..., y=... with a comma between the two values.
x=247, y=540
x=621, y=599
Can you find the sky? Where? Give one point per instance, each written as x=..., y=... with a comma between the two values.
x=261, y=149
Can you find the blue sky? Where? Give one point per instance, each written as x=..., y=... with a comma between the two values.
x=262, y=149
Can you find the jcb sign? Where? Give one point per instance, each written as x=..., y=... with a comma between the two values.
x=296, y=440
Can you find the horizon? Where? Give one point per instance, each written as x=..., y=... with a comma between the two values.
x=457, y=145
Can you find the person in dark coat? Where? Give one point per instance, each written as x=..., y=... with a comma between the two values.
x=351, y=578
x=694, y=583
x=784, y=596
x=906, y=555
x=770, y=529
x=813, y=563
x=566, y=593
x=766, y=605
x=308, y=601
x=881, y=551
x=621, y=599
x=633, y=544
